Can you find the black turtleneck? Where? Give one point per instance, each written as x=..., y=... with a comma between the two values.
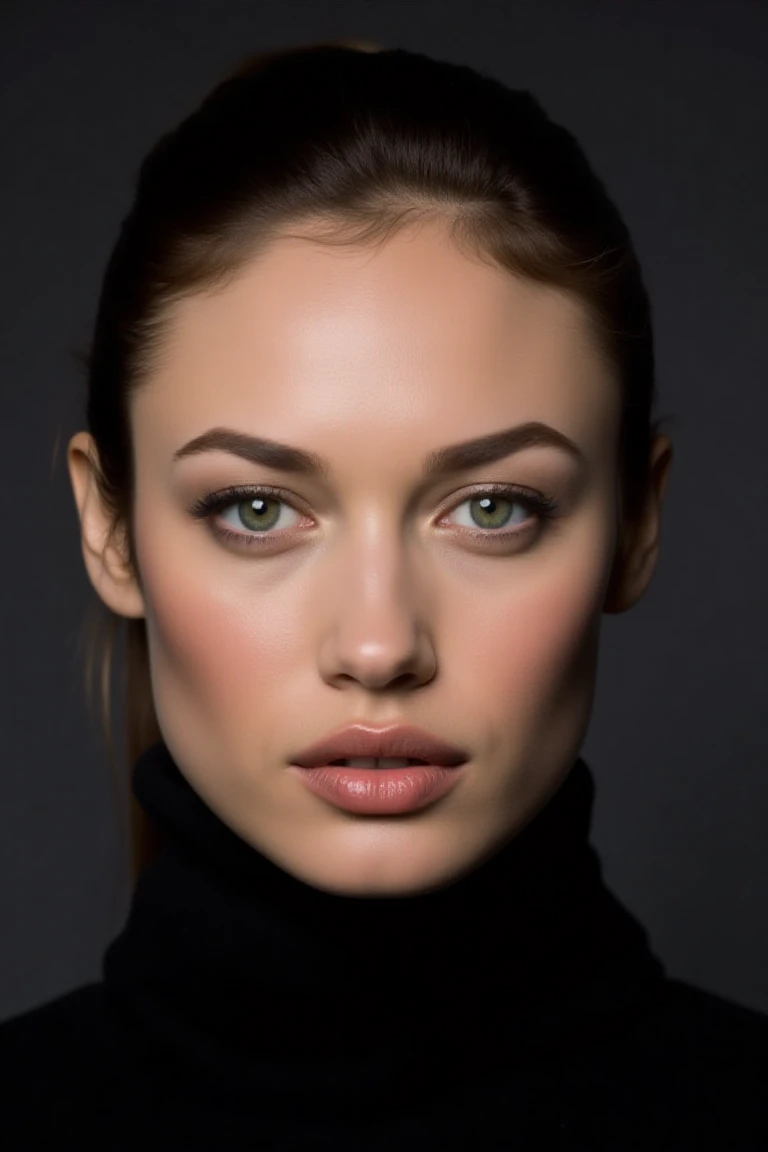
x=519, y=1006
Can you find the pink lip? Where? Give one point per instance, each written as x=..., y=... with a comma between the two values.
x=380, y=791
x=397, y=740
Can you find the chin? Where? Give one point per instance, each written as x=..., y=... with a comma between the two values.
x=384, y=865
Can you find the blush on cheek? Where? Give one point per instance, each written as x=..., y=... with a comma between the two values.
x=555, y=630
x=212, y=664
x=536, y=651
x=532, y=655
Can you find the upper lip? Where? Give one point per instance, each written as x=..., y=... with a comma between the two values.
x=362, y=740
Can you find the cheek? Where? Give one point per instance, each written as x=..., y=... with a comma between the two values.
x=217, y=648
x=534, y=640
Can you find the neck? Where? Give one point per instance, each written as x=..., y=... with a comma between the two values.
x=227, y=954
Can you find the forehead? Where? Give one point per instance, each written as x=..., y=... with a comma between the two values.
x=313, y=340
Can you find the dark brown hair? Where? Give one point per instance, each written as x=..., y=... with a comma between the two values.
x=358, y=142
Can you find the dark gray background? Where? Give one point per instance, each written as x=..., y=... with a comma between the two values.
x=669, y=100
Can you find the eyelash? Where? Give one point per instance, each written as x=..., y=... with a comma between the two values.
x=546, y=509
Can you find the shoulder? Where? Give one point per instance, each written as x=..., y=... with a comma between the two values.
x=63, y=1024
x=52, y=1057
x=63, y=1071
x=692, y=1071
x=710, y=1026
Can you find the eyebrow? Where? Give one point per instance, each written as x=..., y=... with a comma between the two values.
x=443, y=462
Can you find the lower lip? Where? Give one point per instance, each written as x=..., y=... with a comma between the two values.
x=380, y=791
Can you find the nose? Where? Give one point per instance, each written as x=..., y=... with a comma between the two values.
x=377, y=634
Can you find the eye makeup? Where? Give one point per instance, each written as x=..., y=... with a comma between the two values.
x=543, y=509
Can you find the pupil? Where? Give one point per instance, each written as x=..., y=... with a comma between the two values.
x=489, y=505
x=252, y=513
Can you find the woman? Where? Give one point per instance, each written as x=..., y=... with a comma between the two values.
x=370, y=451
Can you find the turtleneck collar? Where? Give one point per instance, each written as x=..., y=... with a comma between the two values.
x=227, y=960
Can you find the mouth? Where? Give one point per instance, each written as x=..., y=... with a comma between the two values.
x=375, y=762
x=381, y=785
x=360, y=746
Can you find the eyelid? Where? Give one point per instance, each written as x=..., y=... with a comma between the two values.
x=235, y=493
x=545, y=508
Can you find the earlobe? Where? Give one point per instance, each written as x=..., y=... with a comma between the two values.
x=632, y=573
x=638, y=553
x=104, y=551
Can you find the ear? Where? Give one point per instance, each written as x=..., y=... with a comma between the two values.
x=104, y=550
x=638, y=552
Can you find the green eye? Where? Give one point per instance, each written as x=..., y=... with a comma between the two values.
x=255, y=513
x=492, y=511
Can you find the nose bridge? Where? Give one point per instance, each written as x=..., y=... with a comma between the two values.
x=376, y=571
x=375, y=626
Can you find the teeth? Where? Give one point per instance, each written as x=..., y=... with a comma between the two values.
x=374, y=762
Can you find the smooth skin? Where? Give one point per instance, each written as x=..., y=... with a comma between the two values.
x=374, y=600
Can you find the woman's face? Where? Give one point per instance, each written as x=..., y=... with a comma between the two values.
x=371, y=595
